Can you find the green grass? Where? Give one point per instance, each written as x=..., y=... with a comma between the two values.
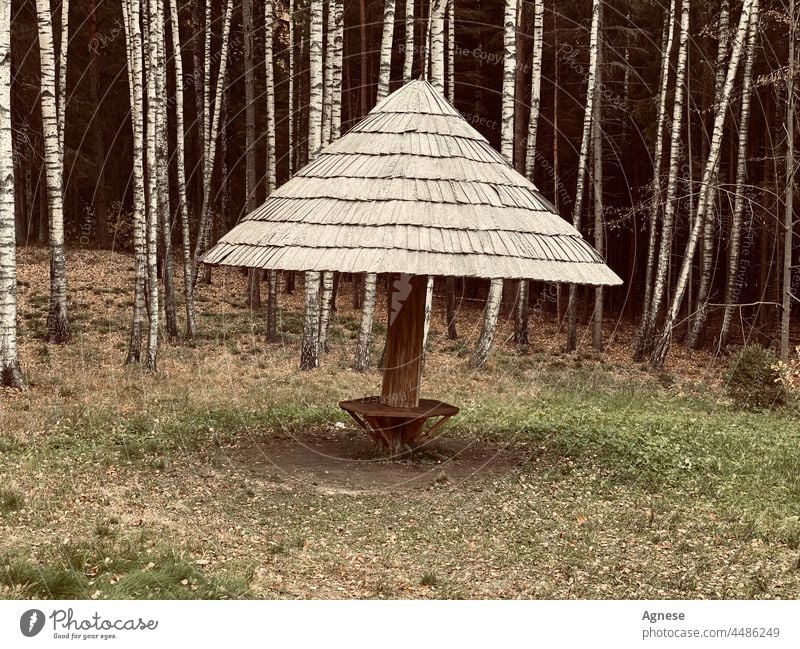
x=11, y=500
x=122, y=569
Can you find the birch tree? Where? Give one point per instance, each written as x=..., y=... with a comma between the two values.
x=133, y=39
x=492, y=309
x=699, y=319
x=733, y=282
x=451, y=51
x=253, y=274
x=597, y=184
x=269, y=76
x=408, y=51
x=788, y=219
x=436, y=44
x=385, y=66
x=57, y=322
x=327, y=86
x=180, y=168
x=338, y=52
x=10, y=371
x=521, y=328
x=361, y=362
x=62, y=79
x=309, y=357
x=204, y=226
x=315, y=65
x=591, y=97
x=290, y=100
x=162, y=157
x=645, y=329
x=662, y=268
x=661, y=350
x=151, y=179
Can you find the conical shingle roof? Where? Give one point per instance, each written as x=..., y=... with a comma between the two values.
x=412, y=188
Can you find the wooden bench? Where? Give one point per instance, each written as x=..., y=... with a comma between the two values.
x=398, y=429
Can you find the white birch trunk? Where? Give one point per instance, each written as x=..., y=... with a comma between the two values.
x=315, y=65
x=428, y=312
x=326, y=296
x=521, y=327
x=269, y=69
x=436, y=44
x=338, y=52
x=327, y=86
x=734, y=283
x=536, y=86
x=490, y=316
x=385, y=66
x=209, y=30
x=451, y=51
x=180, y=168
x=659, y=354
x=309, y=353
x=251, y=186
x=494, y=299
x=699, y=319
x=361, y=363
x=291, y=89
x=62, y=77
x=151, y=176
x=597, y=183
x=208, y=163
x=788, y=219
x=10, y=372
x=162, y=153
x=572, y=306
x=509, y=71
x=57, y=323
x=408, y=51
x=309, y=357
x=133, y=40
x=645, y=329
x=667, y=226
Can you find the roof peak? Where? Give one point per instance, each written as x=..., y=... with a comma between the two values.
x=416, y=96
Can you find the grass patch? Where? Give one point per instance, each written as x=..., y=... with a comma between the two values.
x=11, y=500
x=127, y=569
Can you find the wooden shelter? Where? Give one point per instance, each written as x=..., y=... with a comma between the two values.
x=414, y=190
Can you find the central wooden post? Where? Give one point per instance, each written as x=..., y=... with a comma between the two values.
x=404, y=338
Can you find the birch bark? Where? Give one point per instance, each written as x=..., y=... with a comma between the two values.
x=734, y=282
x=385, y=66
x=180, y=167
x=788, y=198
x=151, y=177
x=494, y=299
x=659, y=355
x=133, y=39
x=57, y=322
x=699, y=319
x=572, y=306
x=338, y=52
x=408, y=52
x=667, y=226
x=521, y=327
x=10, y=371
x=309, y=358
x=361, y=362
x=645, y=330
x=451, y=51
x=437, y=44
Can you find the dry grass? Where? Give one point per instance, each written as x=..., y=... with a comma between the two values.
x=623, y=483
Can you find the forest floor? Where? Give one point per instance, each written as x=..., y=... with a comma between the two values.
x=230, y=473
